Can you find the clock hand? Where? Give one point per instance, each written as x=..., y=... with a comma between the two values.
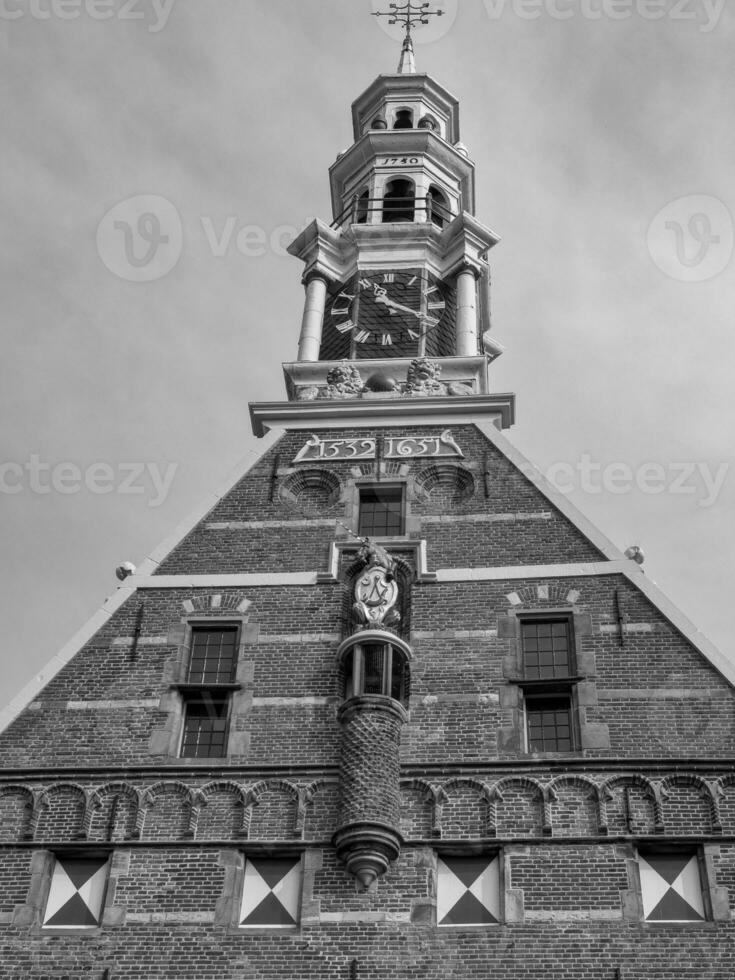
x=397, y=306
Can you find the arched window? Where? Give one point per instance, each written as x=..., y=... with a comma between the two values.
x=399, y=200
x=404, y=119
x=377, y=665
x=438, y=208
x=361, y=207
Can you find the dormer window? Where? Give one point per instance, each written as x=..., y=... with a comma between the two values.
x=399, y=200
x=404, y=119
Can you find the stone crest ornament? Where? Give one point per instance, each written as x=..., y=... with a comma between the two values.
x=423, y=378
x=376, y=591
x=343, y=381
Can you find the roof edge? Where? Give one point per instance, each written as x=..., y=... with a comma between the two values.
x=148, y=566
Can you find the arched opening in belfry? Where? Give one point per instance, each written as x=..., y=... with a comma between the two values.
x=399, y=200
x=404, y=119
x=363, y=204
x=438, y=207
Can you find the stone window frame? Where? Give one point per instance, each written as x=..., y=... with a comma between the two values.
x=715, y=898
x=512, y=734
x=411, y=524
x=564, y=686
x=168, y=741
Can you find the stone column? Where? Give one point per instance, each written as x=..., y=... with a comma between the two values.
x=311, y=324
x=466, y=324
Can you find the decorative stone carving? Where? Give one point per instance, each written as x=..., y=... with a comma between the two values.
x=423, y=378
x=376, y=591
x=381, y=382
x=343, y=381
x=458, y=389
x=307, y=393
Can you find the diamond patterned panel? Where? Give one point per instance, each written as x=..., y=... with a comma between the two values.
x=671, y=887
x=77, y=893
x=271, y=892
x=468, y=892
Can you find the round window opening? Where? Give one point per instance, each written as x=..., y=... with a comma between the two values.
x=312, y=492
x=446, y=486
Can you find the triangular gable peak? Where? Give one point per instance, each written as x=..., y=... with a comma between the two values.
x=148, y=572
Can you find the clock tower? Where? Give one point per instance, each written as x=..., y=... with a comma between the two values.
x=387, y=706
x=398, y=282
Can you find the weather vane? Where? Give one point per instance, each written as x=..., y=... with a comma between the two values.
x=409, y=14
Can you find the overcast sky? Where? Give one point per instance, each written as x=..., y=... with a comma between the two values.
x=603, y=135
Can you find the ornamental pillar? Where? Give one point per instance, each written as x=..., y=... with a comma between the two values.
x=466, y=323
x=311, y=323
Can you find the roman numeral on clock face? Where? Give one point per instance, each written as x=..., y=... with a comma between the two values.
x=437, y=304
x=344, y=327
x=362, y=335
x=386, y=340
x=389, y=277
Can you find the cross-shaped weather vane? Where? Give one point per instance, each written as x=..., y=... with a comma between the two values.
x=409, y=14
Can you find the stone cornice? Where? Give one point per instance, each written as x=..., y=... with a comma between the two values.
x=358, y=413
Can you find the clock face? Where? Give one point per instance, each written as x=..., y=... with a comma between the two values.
x=396, y=313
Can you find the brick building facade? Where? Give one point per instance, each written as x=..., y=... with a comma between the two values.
x=388, y=707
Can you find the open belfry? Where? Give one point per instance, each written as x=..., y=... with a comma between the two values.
x=389, y=707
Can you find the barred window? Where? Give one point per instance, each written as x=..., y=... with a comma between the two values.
x=381, y=511
x=205, y=726
x=210, y=681
x=549, y=723
x=213, y=655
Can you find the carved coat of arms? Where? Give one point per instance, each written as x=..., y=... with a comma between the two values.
x=376, y=591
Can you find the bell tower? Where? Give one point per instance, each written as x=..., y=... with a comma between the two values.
x=397, y=284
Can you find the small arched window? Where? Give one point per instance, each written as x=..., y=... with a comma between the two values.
x=399, y=200
x=439, y=212
x=361, y=207
x=404, y=119
x=376, y=666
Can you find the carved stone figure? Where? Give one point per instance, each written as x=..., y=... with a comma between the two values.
x=423, y=378
x=343, y=381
